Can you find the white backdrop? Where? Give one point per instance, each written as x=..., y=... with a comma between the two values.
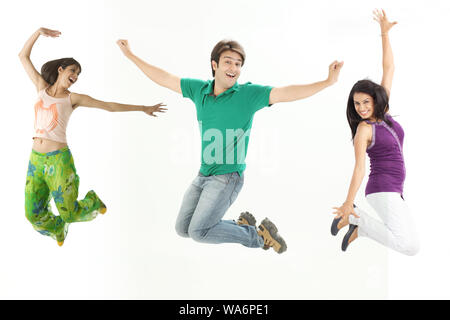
x=299, y=163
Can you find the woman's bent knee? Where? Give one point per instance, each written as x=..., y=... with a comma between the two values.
x=410, y=247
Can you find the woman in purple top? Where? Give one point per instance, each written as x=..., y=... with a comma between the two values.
x=374, y=131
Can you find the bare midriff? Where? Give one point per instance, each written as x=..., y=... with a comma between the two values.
x=42, y=145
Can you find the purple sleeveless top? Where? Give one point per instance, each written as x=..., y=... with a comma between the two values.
x=387, y=167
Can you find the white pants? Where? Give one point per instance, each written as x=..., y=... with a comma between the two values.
x=396, y=230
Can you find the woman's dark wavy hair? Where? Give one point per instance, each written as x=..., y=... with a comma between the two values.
x=49, y=70
x=380, y=99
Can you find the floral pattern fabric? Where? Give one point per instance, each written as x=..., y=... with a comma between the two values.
x=53, y=175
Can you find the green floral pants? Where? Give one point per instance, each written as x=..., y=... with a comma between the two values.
x=53, y=175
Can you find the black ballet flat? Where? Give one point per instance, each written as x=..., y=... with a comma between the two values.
x=347, y=236
x=334, y=226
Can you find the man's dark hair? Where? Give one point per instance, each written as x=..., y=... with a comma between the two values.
x=223, y=46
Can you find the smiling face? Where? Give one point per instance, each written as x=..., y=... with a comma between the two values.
x=364, y=105
x=228, y=70
x=68, y=76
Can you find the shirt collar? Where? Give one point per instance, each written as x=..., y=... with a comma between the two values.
x=210, y=89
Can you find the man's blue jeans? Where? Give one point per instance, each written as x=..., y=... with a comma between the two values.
x=204, y=205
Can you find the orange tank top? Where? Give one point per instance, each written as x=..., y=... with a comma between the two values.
x=51, y=117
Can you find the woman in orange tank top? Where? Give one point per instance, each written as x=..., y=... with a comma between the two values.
x=51, y=170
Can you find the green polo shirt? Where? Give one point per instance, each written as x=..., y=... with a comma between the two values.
x=225, y=122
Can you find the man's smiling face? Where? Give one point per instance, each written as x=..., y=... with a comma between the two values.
x=228, y=70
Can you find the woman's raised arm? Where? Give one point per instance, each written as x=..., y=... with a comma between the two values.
x=25, y=53
x=388, y=57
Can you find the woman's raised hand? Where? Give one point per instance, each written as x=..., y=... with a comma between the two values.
x=381, y=18
x=49, y=33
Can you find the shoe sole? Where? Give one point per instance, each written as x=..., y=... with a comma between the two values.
x=269, y=230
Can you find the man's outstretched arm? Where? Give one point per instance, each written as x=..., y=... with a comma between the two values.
x=297, y=92
x=161, y=77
